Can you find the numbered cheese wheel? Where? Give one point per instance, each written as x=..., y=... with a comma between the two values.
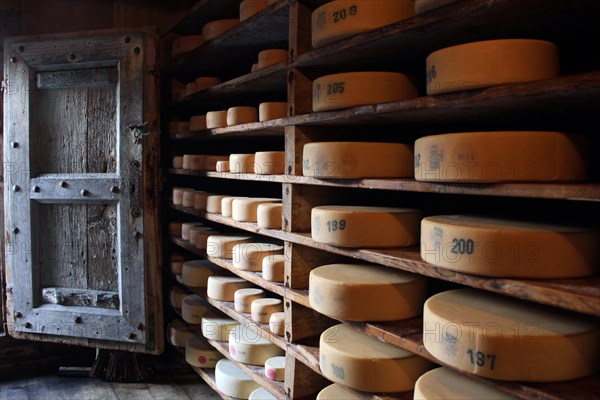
x=218, y=328
x=246, y=210
x=177, y=261
x=201, y=354
x=509, y=339
x=351, y=89
x=223, y=288
x=423, y=6
x=185, y=229
x=176, y=296
x=198, y=123
x=507, y=248
x=216, y=28
x=262, y=309
x=353, y=226
x=337, y=392
x=200, y=200
x=175, y=228
x=357, y=160
x=269, y=162
x=269, y=216
x=249, y=256
x=177, y=162
x=275, y=368
x=196, y=272
x=277, y=323
x=443, y=383
x=243, y=298
x=365, y=363
x=249, y=8
x=205, y=82
x=221, y=246
x=366, y=292
x=273, y=268
x=241, y=163
x=193, y=309
x=491, y=62
x=227, y=205
x=272, y=110
x=190, y=88
x=223, y=166
x=261, y=394
x=185, y=44
x=213, y=203
x=271, y=57
x=232, y=381
x=340, y=19
x=179, y=333
x=241, y=115
x=216, y=119
x=210, y=162
x=502, y=156
x=178, y=195
x=248, y=347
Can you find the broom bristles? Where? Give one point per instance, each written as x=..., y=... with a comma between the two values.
x=120, y=366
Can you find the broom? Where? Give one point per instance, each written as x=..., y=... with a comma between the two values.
x=120, y=366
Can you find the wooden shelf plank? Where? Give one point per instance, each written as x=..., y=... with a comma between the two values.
x=205, y=11
x=208, y=375
x=268, y=128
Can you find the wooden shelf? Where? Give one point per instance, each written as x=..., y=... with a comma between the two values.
x=205, y=11
x=208, y=375
x=268, y=128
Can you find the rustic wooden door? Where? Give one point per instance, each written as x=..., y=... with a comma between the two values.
x=81, y=190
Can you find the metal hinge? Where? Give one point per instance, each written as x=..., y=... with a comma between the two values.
x=139, y=131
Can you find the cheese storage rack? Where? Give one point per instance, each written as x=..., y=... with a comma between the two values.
x=567, y=102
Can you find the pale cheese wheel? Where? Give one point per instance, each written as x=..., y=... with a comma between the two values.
x=200, y=200
x=177, y=162
x=196, y=272
x=357, y=292
x=363, y=362
x=443, y=383
x=216, y=119
x=190, y=88
x=176, y=296
x=232, y=381
x=271, y=57
x=347, y=160
x=178, y=195
x=246, y=210
x=176, y=261
x=354, y=226
x=249, y=8
x=185, y=44
x=193, y=309
x=423, y=6
x=197, y=162
x=249, y=256
x=185, y=229
x=218, y=328
x=491, y=62
x=241, y=115
x=501, y=156
x=205, y=82
x=275, y=368
x=223, y=288
x=340, y=19
x=277, y=323
x=509, y=339
x=269, y=163
x=254, y=67
x=269, y=216
x=248, y=347
x=221, y=246
x=198, y=123
x=179, y=333
x=222, y=166
x=200, y=237
x=272, y=110
x=216, y=28
x=188, y=198
x=210, y=162
x=262, y=309
x=213, y=203
x=337, y=392
x=227, y=205
x=175, y=227
x=273, y=268
x=241, y=163
x=243, y=298
x=199, y=353
x=187, y=161
x=261, y=394
x=509, y=248
x=351, y=89
x=182, y=127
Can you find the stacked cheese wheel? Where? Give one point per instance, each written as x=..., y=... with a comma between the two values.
x=248, y=347
x=185, y=44
x=261, y=163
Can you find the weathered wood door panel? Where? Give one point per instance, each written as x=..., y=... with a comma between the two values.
x=81, y=198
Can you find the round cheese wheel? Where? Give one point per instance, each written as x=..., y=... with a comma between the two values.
x=365, y=363
x=269, y=216
x=275, y=368
x=177, y=261
x=210, y=162
x=261, y=394
x=509, y=339
x=185, y=44
x=182, y=127
x=501, y=156
x=213, y=203
x=273, y=268
x=270, y=163
x=197, y=162
x=200, y=200
x=344, y=160
x=187, y=161
x=226, y=206
x=193, y=309
x=199, y=353
x=366, y=292
x=271, y=57
x=491, y=62
x=340, y=19
x=199, y=235
x=246, y=210
x=176, y=296
x=177, y=91
x=277, y=323
x=175, y=228
x=249, y=256
x=190, y=88
x=423, y=6
x=188, y=198
x=254, y=67
x=221, y=246
x=241, y=163
x=248, y=347
x=244, y=297
x=272, y=110
x=353, y=226
x=218, y=328
x=198, y=123
x=222, y=166
x=223, y=287
x=179, y=333
x=196, y=272
x=249, y=8
x=216, y=119
x=232, y=381
x=185, y=229
x=177, y=162
x=443, y=383
x=337, y=392
x=178, y=195
x=241, y=115
x=262, y=309
x=508, y=248
x=205, y=82
x=351, y=89
x=216, y=28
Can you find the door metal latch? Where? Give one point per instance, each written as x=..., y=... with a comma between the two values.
x=139, y=131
